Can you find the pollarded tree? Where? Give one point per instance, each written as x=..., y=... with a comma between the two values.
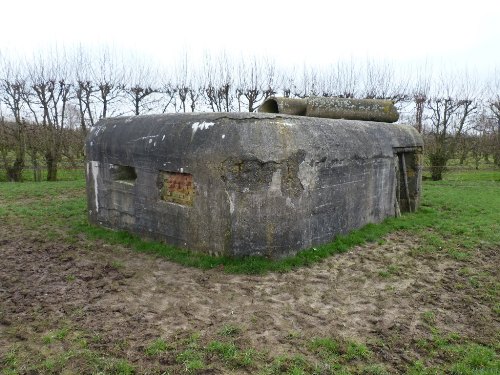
x=47, y=94
x=84, y=92
x=256, y=82
x=168, y=92
x=494, y=106
x=182, y=84
x=286, y=82
x=85, y=89
x=307, y=84
x=218, y=87
x=12, y=85
x=108, y=76
x=225, y=83
x=451, y=109
x=140, y=86
x=210, y=86
x=382, y=81
x=419, y=94
x=485, y=136
x=347, y=79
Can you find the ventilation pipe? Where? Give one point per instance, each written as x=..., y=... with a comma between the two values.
x=335, y=108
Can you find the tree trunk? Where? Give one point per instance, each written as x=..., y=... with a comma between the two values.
x=438, y=162
x=51, y=161
x=15, y=173
x=463, y=156
x=37, y=171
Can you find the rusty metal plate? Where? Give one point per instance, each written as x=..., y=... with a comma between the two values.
x=177, y=188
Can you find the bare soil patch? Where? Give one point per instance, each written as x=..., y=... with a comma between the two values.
x=381, y=294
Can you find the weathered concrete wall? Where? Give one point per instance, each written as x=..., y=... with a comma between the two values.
x=246, y=184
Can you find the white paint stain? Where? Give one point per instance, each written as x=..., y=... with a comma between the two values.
x=307, y=175
x=276, y=182
x=146, y=137
x=162, y=138
x=223, y=136
x=95, y=171
x=231, y=198
x=201, y=126
x=97, y=130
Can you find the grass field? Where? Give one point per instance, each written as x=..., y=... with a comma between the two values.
x=425, y=288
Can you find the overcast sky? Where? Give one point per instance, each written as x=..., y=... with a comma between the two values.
x=451, y=33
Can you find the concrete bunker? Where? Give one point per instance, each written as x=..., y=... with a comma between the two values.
x=243, y=184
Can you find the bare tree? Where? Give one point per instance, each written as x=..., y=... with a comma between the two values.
x=256, y=82
x=167, y=93
x=307, y=84
x=108, y=76
x=224, y=90
x=483, y=139
x=210, y=86
x=139, y=87
x=182, y=86
x=47, y=97
x=73, y=136
x=347, y=80
x=382, y=81
x=494, y=106
x=85, y=89
x=419, y=95
x=286, y=82
x=12, y=85
x=218, y=76
x=451, y=114
x=250, y=83
x=194, y=94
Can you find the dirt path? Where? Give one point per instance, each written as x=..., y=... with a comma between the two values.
x=377, y=293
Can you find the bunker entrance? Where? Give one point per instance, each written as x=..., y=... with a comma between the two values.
x=176, y=187
x=407, y=164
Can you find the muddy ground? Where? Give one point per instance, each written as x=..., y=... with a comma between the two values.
x=385, y=295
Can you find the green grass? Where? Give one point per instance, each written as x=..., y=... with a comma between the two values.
x=327, y=355
x=231, y=355
x=66, y=173
x=57, y=335
x=75, y=351
x=325, y=347
x=391, y=270
x=64, y=351
x=456, y=355
x=457, y=215
x=157, y=347
x=229, y=330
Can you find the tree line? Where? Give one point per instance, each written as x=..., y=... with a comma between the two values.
x=49, y=103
